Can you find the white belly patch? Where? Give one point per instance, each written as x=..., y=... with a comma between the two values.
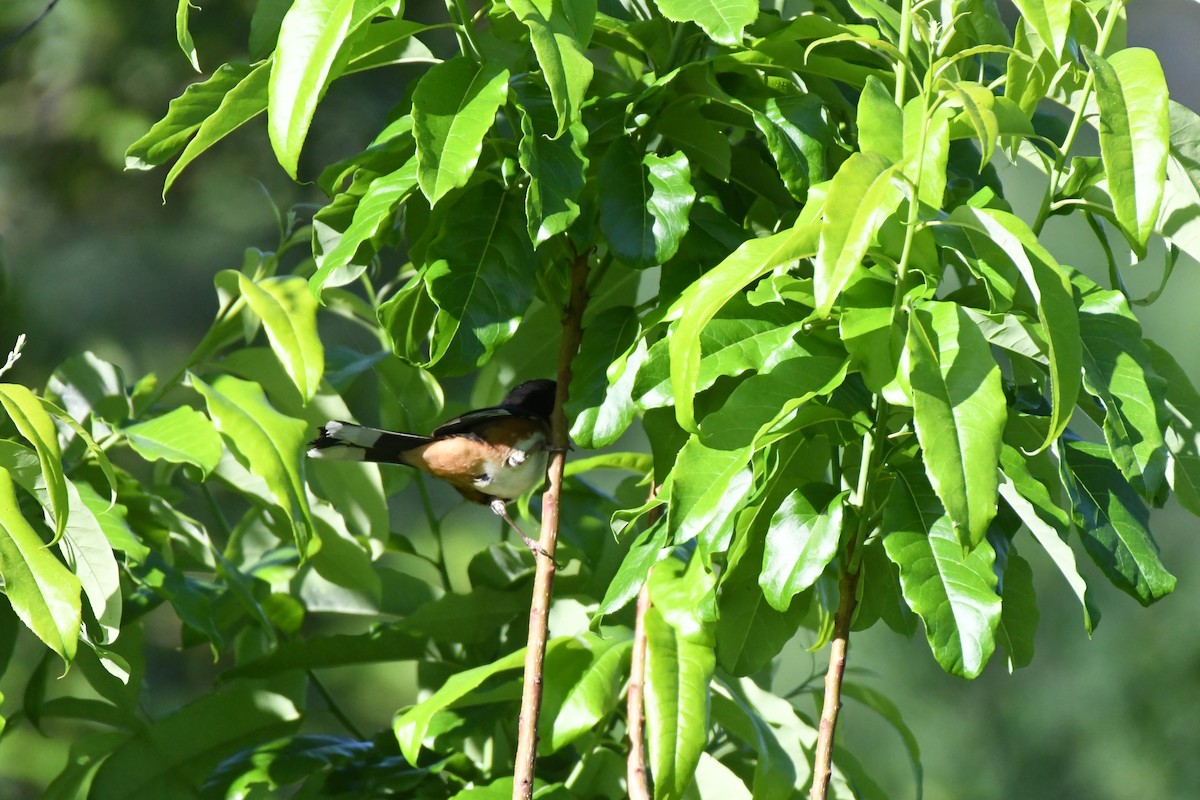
x=524, y=469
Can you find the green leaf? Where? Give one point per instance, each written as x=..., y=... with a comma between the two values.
x=679, y=665
x=583, y=684
x=560, y=31
x=1182, y=407
x=265, y=442
x=1048, y=523
x=780, y=738
x=722, y=20
x=959, y=413
x=882, y=705
x=411, y=726
x=43, y=592
x=880, y=122
x=373, y=216
x=288, y=311
x=555, y=165
x=318, y=652
x=240, y=104
x=185, y=114
x=183, y=35
x=644, y=203
x=1114, y=524
x=470, y=618
x=1052, y=291
x=34, y=423
x=1051, y=19
x=305, y=63
x=1118, y=373
x=708, y=487
x=91, y=558
x=173, y=755
x=1018, y=612
x=977, y=103
x=276, y=764
x=602, y=407
x=454, y=106
x=1131, y=92
x=182, y=436
x=480, y=277
x=863, y=194
x=797, y=135
x=701, y=301
x=801, y=541
x=646, y=550
x=953, y=592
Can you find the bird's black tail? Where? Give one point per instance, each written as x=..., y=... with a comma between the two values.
x=345, y=441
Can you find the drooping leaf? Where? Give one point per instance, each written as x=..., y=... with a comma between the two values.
x=555, y=164
x=265, y=442
x=560, y=31
x=1131, y=92
x=1114, y=524
x=34, y=423
x=863, y=194
x=796, y=134
x=44, y=594
x=953, y=592
x=288, y=312
x=1018, y=612
x=480, y=276
x=959, y=413
x=1118, y=373
x=454, y=106
x=601, y=408
x=801, y=541
x=1182, y=405
x=584, y=681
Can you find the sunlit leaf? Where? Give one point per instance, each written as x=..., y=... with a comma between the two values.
x=801, y=541
x=288, y=312
x=182, y=436
x=722, y=20
x=34, y=423
x=560, y=31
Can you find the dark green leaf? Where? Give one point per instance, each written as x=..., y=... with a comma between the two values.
x=1114, y=524
x=644, y=203
x=555, y=164
x=1018, y=612
x=601, y=407
x=560, y=31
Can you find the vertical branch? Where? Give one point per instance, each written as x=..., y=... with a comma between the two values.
x=535, y=653
x=637, y=786
x=823, y=758
x=635, y=773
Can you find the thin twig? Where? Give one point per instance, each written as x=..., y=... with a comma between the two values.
x=823, y=758
x=638, y=787
x=13, y=38
x=535, y=654
x=635, y=772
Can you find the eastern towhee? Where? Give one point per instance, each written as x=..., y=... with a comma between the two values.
x=490, y=455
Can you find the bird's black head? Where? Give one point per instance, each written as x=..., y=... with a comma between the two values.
x=533, y=398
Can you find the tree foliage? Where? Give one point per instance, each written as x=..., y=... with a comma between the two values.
x=858, y=370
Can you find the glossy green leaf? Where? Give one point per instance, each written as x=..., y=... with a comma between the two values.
x=183, y=33
x=44, y=594
x=797, y=135
x=1118, y=373
x=644, y=552
x=953, y=592
x=927, y=149
x=679, y=665
x=181, y=436
x=239, y=104
x=560, y=31
x=185, y=114
x=1018, y=612
x=701, y=301
x=601, y=408
x=1114, y=524
x=708, y=487
x=411, y=726
x=801, y=541
x=977, y=103
x=880, y=122
x=1048, y=523
x=454, y=106
x=91, y=558
x=1052, y=291
x=703, y=141
x=555, y=165
x=373, y=216
x=481, y=278
x=959, y=413
x=722, y=20
x=288, y=312
x=583, y=684
x=175, y=753
x=644, y=203
x=34, y=423
x=308, y=57
x=1182, y=406
x=265, y=442
x=1131, y=92
x=1051, y=19
x=863, y=194
x=740, y=338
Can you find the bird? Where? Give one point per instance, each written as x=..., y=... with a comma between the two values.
x=490, y=455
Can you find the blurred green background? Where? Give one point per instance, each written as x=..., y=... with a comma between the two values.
x=92, y=259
